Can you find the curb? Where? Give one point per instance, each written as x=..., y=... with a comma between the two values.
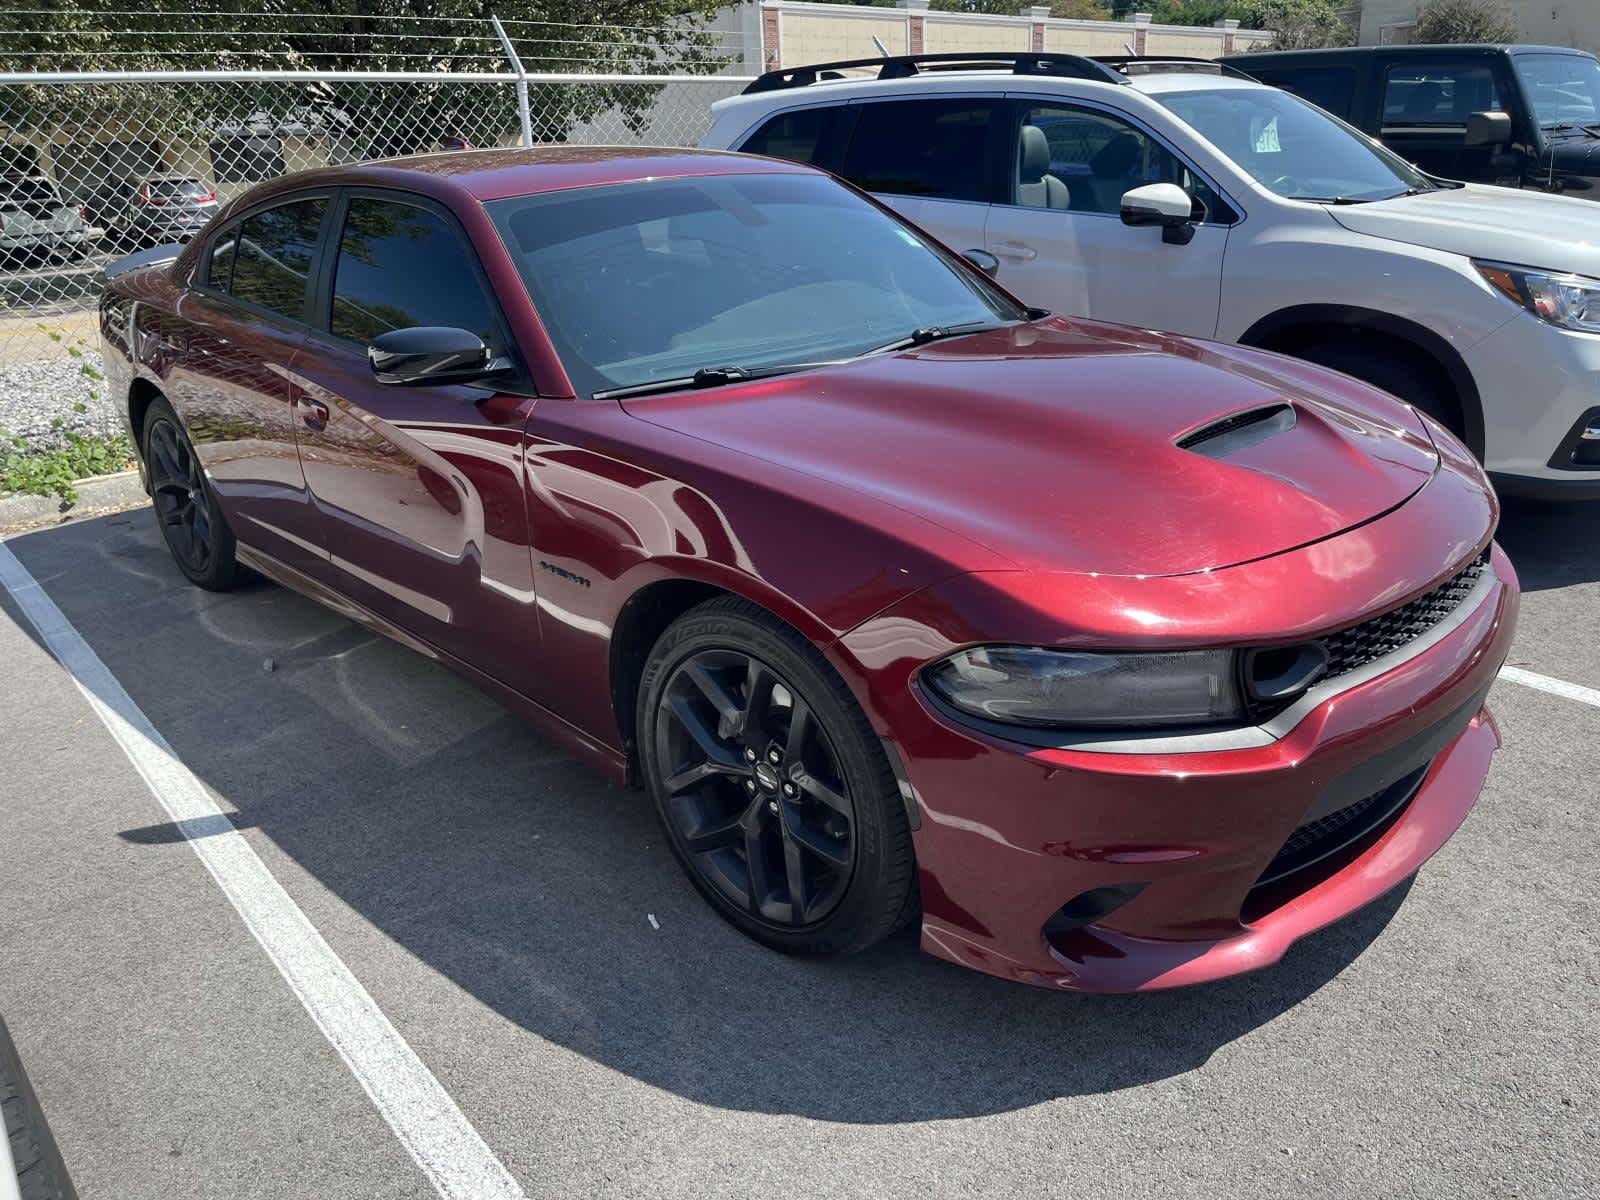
x=121, y=490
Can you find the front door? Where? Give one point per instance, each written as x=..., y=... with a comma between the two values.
x=419, y=489
x=1426, y=106
x=1060, y=238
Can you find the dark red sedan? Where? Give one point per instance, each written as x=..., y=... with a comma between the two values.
x=1118, y=660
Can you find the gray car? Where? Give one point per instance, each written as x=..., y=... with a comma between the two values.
x=35, y=222
x=168, y=208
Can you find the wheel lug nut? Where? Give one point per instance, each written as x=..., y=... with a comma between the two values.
x=749, y=756
x=772, y=806
x=774, y=756
x=750, y=785
x=790, y=790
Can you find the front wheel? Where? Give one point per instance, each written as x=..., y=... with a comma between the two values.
x=775, y=795
x=192, y=525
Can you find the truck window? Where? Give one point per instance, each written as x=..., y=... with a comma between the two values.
x=1329, y=88
x=1438, y=95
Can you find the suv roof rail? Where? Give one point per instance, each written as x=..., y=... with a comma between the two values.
x=1150, y=64
x=903, y=66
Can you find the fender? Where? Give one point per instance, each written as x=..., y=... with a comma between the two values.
x=1270, y=328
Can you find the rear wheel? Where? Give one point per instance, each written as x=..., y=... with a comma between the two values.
x=774, y=793
x=191, y=523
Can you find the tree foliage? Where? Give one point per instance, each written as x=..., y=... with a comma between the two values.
x=1298, y=24
x=1456, y=21
x=433, y=36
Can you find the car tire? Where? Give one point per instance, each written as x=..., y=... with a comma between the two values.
x=817, y=811
x=192, y=525
x=1408, y=376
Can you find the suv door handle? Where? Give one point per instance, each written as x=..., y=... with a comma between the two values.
x=1014, y=250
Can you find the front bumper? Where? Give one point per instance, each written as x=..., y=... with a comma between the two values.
x=1010, y=834
x=1536, y=384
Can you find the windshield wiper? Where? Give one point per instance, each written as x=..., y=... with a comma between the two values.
x=924, y=334
x=708, y=377
x=1332, y=199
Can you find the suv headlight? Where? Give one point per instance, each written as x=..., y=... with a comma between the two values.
x=1025, y=685
x=1570, y=301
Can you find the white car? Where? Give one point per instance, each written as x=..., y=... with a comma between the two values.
x=1176, y=195
x=36, y=222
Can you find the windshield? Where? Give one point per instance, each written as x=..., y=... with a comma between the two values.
x=178, y=189
x=1292, y=147
x=643, y=282
x=30, y=190
x=1564, y=89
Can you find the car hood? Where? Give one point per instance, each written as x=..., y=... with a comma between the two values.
x=1530, y=229
x=1055, y=444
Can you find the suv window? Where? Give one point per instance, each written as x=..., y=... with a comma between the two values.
x=272, y=262
x=1329, y=88
x=935, y=149
x=798, y=136
x=1083, y=160
x=1438, y=94
x=401, y=266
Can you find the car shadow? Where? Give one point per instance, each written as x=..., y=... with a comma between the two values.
x=549, y=895
x=1551, y=545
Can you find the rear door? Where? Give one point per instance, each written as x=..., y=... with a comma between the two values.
x=419, y=489
x=242, y=320
x=1427, y=102
x=1059, y=234
x=936, y=160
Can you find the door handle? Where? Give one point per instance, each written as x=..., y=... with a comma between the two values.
x=1014, y=250
x=313, y=412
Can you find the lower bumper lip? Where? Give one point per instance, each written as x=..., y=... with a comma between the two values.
x=1199, y=830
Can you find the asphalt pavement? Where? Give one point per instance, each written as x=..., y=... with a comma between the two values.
x=526, y=933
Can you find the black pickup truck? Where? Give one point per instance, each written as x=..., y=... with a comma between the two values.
x=1517, y=116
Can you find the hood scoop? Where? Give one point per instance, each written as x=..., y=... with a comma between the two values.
x=1238, y=431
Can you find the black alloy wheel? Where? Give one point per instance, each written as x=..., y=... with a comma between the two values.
x=753, y=787
x=191, y=524
x=775, y=794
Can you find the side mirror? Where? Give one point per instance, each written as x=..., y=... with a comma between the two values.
x=983, y=260
x=1163, y=204
x=431, y=354
x=1488, y=129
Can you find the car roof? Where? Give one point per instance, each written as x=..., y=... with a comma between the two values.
x=1152, y=82
x=1432, y=50
x=500, y=173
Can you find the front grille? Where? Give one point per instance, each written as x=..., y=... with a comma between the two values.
x=1316, y=840
x=1353, y=648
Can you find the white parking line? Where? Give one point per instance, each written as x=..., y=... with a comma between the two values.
x=1556, y=687
x=433, y=1130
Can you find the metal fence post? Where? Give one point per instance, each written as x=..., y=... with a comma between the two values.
x=522, y=81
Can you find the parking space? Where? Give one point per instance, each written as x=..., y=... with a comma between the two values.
x=529, y=937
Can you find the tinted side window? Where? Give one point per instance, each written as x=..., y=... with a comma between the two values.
x=401, y=266
x=930, y=148
x=1329, y=88
x=797, y=136
x=272, y=262
x=1438, y=94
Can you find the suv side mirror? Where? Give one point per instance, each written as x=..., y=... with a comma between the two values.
x=1488, y=129
x=428, y=354
x=983, y=260
x=1163, y=204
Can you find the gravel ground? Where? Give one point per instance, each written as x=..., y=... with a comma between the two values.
x=33, y=394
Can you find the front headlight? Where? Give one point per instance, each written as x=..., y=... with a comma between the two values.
x=1570, y=301
x=1025, y=685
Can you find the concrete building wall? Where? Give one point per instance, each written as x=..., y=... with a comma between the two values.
x=1549, y=22
x=796, y=32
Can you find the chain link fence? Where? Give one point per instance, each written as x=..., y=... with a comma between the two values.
x=95, y=166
